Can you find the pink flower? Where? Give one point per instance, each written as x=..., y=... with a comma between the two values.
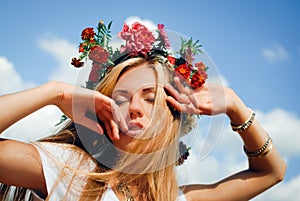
x=137, y=39
x=200, y=65
x=162, y=32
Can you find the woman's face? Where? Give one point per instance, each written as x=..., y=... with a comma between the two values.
x=135, y=94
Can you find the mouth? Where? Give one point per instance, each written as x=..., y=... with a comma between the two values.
x=134, y=128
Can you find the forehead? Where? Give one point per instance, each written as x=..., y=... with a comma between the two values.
x=136, y=78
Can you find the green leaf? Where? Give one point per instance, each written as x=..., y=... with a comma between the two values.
x=109, y=25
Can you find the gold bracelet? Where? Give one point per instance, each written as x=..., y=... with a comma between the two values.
x=262, y=151
x=246, y=124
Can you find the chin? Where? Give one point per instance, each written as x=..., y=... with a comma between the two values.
x=124, y=142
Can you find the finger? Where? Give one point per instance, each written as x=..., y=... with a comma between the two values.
x=194, y=101
x=183, y=98
x=181, y=87
x=110, y=124
x=115, y=130
x=122, y=124
x=108, y=130
x=170, y=90
x=103, y=102
x=175, y=104
x=117, y=117
x=183, y=108
x=115, y=112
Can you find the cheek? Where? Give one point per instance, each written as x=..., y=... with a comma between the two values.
x=149, y=109
x=124, y=110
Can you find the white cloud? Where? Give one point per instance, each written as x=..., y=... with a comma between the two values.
x=275, y=53
x=195, y=170
x=35, y=125
x=283, y=191
x=283, y=126
x=10, y=80
x=63, y=52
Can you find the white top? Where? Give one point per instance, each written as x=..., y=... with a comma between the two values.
x=56, y=161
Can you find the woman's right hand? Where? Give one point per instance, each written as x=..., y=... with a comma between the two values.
x=84, y=106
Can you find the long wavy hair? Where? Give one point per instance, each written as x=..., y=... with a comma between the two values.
x=148, y=163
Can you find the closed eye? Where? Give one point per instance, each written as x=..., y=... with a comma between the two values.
x=120, y=102
x=151, y=100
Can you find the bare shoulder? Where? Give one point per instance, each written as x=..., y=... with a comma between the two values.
x=20, y=165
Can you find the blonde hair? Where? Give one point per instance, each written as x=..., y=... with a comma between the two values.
x=148, y=163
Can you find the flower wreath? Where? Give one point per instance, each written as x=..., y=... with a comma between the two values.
x=139, y=42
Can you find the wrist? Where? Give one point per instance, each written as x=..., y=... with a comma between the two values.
x=53, y=92
x=237, y=111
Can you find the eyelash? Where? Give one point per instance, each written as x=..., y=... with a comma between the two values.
x=151, y=100
x=119, y=102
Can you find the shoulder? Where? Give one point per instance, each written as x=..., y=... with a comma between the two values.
x=61, y=154
x=65, y=168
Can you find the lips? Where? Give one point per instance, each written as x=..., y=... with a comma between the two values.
x=134, y=128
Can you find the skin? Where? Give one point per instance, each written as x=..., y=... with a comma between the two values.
x=134, y=94
x=20, y=162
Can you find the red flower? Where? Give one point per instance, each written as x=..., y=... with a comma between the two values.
x=87, y=33
x=198, y=79
x=137, y=38
x=95, y=72
x=98, y=54
x=184, y=70
x=164, y=35
x=77, y=62
x=171, y=59
x=82, y=47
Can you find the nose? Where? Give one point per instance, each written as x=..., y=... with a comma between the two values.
x=135, y=108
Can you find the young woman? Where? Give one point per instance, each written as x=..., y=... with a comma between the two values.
x=138, y=111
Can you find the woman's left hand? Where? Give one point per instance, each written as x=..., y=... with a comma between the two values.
x=209, y=99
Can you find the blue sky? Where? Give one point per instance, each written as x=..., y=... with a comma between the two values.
x=254, y=44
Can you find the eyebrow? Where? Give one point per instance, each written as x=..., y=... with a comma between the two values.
x=149, y=90
x=145, y=90
x=120, y=91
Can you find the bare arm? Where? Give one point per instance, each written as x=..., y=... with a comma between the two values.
x=18, y=105
x=73, y=101
x=20, y=163
x=262, y=173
